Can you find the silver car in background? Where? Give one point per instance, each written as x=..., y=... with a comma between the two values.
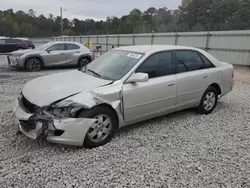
x=52, y=54
x=124, y=86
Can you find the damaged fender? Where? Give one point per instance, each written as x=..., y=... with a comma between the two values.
x=75, y=131
x=89, y=100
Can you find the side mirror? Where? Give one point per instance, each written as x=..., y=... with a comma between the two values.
x=138, y=77
x=48, y=51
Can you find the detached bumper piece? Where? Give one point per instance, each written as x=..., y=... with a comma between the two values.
x=70, y=131
x=29, y=124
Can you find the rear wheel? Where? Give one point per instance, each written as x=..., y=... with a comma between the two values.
x=208, y=101
x=103, y=129
x=33, y=64
x=84, y=61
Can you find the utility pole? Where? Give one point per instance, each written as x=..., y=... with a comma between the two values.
x=61, y=21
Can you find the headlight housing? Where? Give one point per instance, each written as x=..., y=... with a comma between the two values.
x=60, y=112
x=17, y=54
x=63, y=112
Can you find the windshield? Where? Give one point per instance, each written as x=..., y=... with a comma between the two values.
x=113, y=65
x=44, y=46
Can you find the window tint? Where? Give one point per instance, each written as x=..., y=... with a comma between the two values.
x=207, y=63
x=2, y=41
x=29, y=42
x=157, y=65
x=72, y=47
x=15, y=41
x=56, y=47
x=188, y=61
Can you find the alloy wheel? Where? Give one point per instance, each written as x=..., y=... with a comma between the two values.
x=209, y=101
x=101, y=129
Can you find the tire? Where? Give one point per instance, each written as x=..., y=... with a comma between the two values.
x=83, y=62
x=33, y=64
x=99, y=134
x=208, y=101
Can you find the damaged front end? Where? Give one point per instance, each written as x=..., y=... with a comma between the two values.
x=56, y=122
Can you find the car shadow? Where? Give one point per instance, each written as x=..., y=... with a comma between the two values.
x=221, y=105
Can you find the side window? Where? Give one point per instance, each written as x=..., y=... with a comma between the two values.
x=56, y=47
x=159, y=64
x=188, y=61
x=15, y=41
x=207, y=63
x=2, y=41
x=72, y=47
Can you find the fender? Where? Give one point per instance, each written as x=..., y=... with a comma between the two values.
x=34, y=56
x=85, y=55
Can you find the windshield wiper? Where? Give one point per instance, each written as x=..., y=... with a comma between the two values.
x=95, y=73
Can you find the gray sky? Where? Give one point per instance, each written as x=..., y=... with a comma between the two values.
x=82, y=9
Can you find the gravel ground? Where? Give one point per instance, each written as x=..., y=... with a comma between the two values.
x=179, y=150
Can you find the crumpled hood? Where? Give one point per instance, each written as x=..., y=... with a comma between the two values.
x=45, y=90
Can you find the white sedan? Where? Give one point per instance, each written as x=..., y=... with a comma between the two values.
x=124, y=86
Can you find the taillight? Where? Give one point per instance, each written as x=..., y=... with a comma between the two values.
x=25, y=45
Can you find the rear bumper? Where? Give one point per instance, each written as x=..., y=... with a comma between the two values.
x=72, y=130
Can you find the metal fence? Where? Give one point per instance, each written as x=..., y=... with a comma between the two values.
x=228, y=46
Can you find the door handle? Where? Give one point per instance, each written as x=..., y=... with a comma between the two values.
x=169, y=85
x=62, y=53
x=205, y=77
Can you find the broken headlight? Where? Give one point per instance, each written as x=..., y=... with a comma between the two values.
x=60, y=112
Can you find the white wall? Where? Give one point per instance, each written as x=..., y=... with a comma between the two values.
x=228, y=46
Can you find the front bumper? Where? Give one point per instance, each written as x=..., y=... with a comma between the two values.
x=33, y=126
x=12, y=61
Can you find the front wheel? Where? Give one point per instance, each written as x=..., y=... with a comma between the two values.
x=33, y=64
x=208, y=101
x=83, y=62
x=102, y=131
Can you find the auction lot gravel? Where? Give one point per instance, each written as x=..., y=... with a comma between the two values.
x=179, y=150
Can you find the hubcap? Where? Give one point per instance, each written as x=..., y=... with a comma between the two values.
x=100, y=129
x=84, y=62
x=209, y=101
x=34, y=65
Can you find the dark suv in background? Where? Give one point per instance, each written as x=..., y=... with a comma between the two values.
x=30, y=44
x=10, y=45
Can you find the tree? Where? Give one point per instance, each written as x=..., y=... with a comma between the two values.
x=191, y=15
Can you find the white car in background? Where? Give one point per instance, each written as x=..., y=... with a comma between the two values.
x=124, y=86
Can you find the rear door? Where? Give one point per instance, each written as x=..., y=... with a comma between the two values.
x=72, y=53
x=193, y=77
x=7, y=45
x=54, y=55
x=3, y=45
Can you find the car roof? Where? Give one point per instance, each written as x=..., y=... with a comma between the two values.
x=150, y=49
x=60, y=42
x=153, y=48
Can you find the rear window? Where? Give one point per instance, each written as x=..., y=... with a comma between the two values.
x=72, y=46
x=29, y=42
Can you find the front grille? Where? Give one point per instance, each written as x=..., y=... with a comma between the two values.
x=31, y=108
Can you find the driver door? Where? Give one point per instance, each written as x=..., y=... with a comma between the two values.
x=54, y=55
x=157, y=96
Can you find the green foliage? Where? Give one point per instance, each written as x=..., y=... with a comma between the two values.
x=192, y=15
